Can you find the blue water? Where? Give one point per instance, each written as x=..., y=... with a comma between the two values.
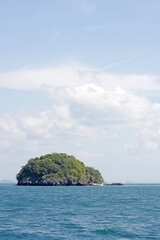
x=75, y=213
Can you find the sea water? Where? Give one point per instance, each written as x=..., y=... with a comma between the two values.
x=70, y=213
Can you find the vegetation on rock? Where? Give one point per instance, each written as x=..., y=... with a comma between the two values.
x=57, y=169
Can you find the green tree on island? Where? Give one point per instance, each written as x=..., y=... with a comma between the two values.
x=57, y=169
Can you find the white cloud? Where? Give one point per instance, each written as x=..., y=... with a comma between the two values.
x=36, y=79
x=151, y=136
x=84, y=6
x=129, y=147
x=86, y=102
x=87, y=112
x=75, y=75
x=95, y=106
x=150, y=145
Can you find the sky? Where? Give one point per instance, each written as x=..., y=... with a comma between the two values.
x=81, y=77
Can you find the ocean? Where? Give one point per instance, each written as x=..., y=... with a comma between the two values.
x=75, y=213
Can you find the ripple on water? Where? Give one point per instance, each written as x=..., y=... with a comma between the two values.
x=32, y=213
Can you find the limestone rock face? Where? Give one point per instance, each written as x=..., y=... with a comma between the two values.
x=54, y=182
x=57, y=169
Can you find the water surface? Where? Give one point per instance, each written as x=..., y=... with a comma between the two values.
x=109, y=212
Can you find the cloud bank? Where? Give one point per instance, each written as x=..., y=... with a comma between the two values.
x=94, y=115
x=75, y=75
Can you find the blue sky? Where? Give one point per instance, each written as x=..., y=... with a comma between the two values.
x=37, y=34
x=81, y=77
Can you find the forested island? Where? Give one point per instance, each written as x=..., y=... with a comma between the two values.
x=58, y=169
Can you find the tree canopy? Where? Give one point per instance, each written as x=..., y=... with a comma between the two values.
x=61, y=168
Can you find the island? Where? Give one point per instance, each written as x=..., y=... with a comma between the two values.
x=112, y=184
x=58, y=169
